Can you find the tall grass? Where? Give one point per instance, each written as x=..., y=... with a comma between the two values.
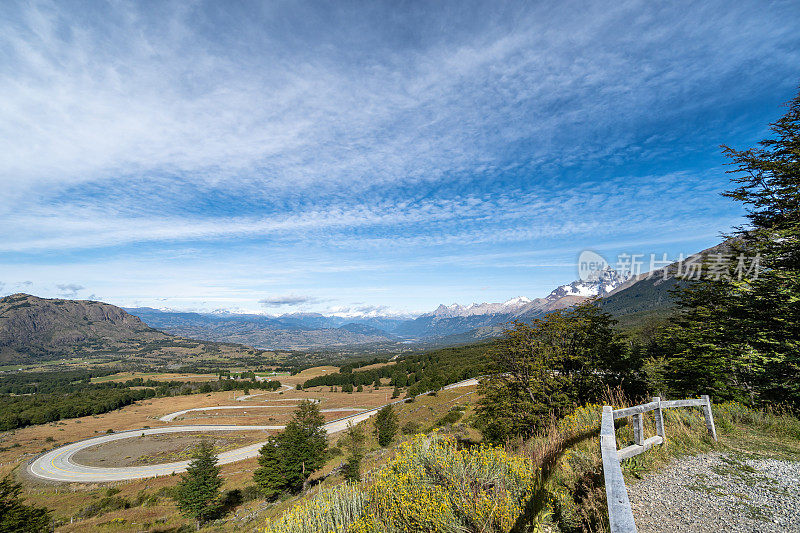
x=331, y=510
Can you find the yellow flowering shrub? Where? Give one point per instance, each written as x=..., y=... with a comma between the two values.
x=430, y=485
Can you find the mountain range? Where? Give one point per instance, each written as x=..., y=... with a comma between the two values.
x=31, y=326
x=447, y=324
x=34, y=329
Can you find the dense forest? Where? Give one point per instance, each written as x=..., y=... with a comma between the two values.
x=420, y=372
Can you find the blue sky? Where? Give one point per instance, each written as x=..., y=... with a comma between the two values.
x=369, y=156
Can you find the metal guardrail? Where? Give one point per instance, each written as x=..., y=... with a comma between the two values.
x=620, y=514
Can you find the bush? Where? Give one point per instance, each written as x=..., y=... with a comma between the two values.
x=452, y=416
x=430, y=485
x=410, y=428
x=330, y=510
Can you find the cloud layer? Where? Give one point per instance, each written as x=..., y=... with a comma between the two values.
x=323, y=137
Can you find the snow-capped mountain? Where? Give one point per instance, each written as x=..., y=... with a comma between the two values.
x=455, y=310
x=362, y=325
x=602, y=284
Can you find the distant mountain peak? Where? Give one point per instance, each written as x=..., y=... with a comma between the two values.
x=601, y=283
x=455, y=310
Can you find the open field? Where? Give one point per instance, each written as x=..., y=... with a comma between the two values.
x=156, y=376
x=70, y=501
x=376, y=366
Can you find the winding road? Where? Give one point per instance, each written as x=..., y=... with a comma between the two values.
x=57, y=464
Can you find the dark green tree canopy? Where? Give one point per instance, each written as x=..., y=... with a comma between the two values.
x=287, y=460
x=386, y=425
x=198, y=493
x=738, y=336
x=566, y=358
x=15, y=516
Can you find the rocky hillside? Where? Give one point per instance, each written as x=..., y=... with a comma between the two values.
x=29, y=323
x=33, y=328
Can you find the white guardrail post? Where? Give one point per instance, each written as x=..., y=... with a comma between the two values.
x=658, y=413
x=620, y=514
x=712, y=430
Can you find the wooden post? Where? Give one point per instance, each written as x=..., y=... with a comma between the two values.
x=658, y=413
x=620, y=514
x=638, y=429
x=712, y=430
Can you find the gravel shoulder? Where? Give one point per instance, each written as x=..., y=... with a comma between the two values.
x=717, y=492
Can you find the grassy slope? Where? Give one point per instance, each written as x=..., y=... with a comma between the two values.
x=569, y=494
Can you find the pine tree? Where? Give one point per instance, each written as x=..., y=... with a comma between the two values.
x=385, y=425
x=198, y=493
x=288, y=460
x=16, y=516
x=269, y=476
x=354, y=444
x=746, y=324
x=303, y=444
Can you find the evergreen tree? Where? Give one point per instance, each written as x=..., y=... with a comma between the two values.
x=767, y=302
x=15, y=516
x=385, y=425
x=287, y=460
x=396, y=392
x=563, y=359
x=700, y=352
x=354, y=444
x=269, y=476
x=198, y=493
x=303, y=444
x=745, y=324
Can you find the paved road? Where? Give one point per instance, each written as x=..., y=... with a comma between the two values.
x=465, y=383
x=172, y=416
x=57, y=464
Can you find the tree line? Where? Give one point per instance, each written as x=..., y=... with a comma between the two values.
x=419, y=373
x=42, y=397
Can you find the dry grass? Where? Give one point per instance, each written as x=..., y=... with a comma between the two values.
x=67, y=501
x=156, y=376
x=375, y=366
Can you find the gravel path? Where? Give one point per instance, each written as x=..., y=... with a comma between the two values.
x=719, y=493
